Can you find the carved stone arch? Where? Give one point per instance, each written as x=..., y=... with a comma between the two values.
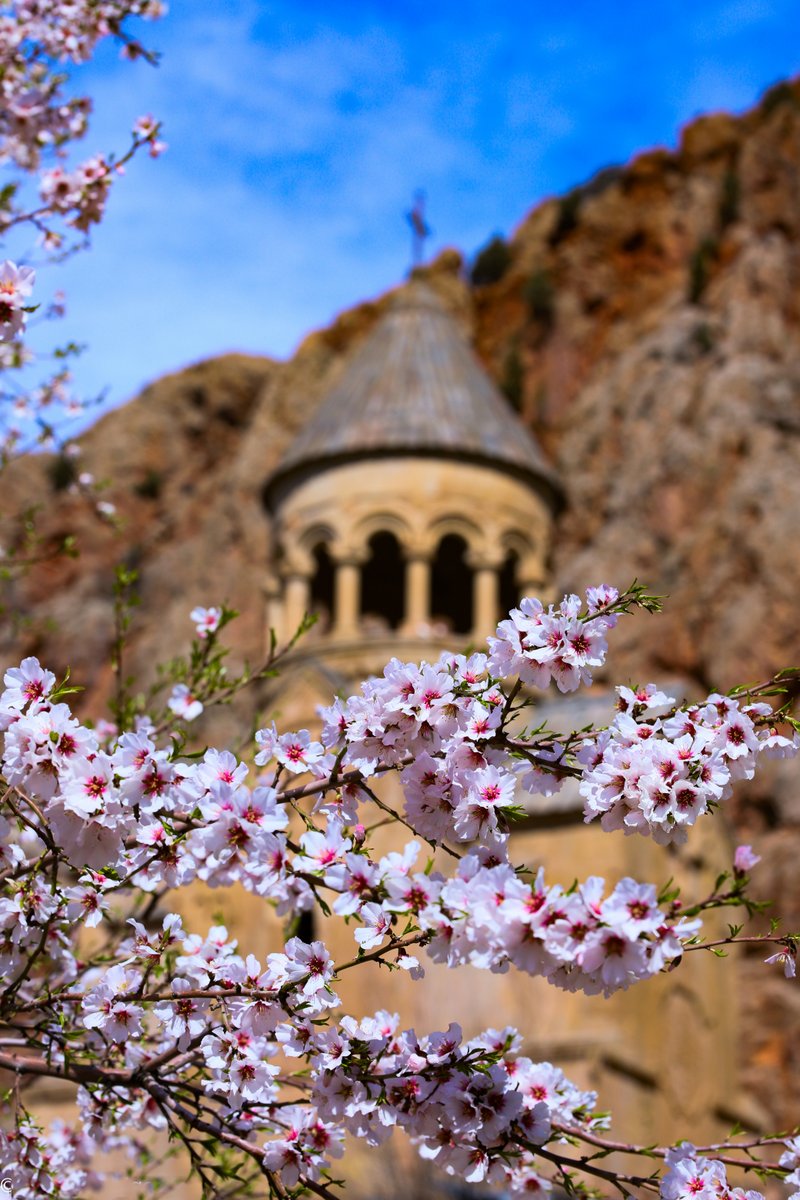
x=522, y=544
x=381, y=522
x=316, y=533
x=458, y=525
x=294, y=542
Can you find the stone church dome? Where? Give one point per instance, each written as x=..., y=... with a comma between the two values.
x=414, y=506
x=415, y=388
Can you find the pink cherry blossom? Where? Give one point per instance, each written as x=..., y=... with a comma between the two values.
x=183, y=703
x=206, y=620
x=745, y=859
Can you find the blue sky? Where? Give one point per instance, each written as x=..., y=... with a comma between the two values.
x=298, y=135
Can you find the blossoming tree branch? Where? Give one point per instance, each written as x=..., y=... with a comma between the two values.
x=48, y=203
x=250, y=1065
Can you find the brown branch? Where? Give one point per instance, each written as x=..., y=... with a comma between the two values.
x=765, y=938
x=590, y=1168
x=411, y=939
x=74, y=1073
x=661, y=1151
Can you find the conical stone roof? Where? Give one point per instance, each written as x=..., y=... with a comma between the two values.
x=414, y=388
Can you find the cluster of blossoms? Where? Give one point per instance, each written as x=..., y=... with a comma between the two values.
x=557, y=645
x=579, y=940
x=95, y=819
x=656, y=774
x=80, y=194
x=441, y=720
x=690, y=1177
x=35, y=117
x=469, y=1106
x=69, y=30
x=475, y=1107
x=124, y=811
x=56, y=1162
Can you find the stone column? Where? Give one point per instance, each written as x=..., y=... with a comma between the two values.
x=418, y=595
x=297, y=597
x=347, y=598
x=486, y=601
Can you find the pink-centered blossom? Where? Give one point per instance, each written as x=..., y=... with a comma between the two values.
x=206, y=620
x=16, y=285
x=183, y=703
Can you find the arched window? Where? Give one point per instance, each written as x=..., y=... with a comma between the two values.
x=509, y=583
x=451, y=585
x=322, y=586
x=383, y=582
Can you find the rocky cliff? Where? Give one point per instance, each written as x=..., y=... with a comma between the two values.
x=647, y=327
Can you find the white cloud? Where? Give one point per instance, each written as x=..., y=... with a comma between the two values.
x=277, y=204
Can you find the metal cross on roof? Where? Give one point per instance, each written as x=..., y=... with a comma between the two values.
x=420, y=229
